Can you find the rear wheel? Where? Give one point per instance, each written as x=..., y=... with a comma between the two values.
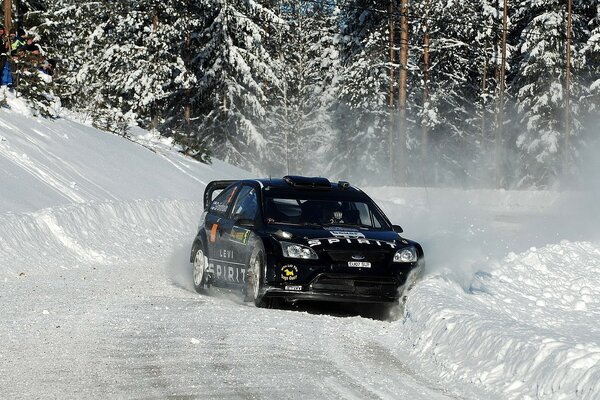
x=200, y=265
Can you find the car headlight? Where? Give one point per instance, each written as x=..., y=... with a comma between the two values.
x=293, y=250
x=407, y=254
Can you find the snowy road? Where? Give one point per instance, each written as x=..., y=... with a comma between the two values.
x=96, y=302
x=129, y=327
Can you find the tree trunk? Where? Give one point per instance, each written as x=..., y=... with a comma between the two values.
x=425, y=128
x=568, y=90
x=7, y=16
x=400, y=172
x=500, y=115
x=392, y=117
x=484, y=96
x=187, y=110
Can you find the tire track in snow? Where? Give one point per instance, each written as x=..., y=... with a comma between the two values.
x=356, y=354
x=180, y=168
x=54, y=181
x=86, y=254
x=57, y=161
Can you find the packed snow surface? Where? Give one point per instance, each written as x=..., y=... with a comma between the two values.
x=96, y=298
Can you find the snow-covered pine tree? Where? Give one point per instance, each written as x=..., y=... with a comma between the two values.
x=540, y=89
x=235, y=73
x=137, y=60
x=362, y=114
x=591, y=52
x=29, y=82
x=301, y=130
x=124, y=64
x=73, y=32
x=459, y=114
x=179, y=112
x=143, y=60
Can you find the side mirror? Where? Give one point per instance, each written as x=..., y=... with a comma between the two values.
x=397, y=228
x=246, y=223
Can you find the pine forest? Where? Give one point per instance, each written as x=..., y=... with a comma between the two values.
x=469, y=93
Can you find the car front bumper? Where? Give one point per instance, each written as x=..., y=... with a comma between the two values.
x=340, y=288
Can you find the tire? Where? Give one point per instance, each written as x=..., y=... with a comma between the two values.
x=199, y=269
x=255, y=291
x=398, y=312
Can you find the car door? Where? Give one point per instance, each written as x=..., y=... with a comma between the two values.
x=217, y=226
x=243, y=215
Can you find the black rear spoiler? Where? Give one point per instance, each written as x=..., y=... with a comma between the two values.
x=211, y=187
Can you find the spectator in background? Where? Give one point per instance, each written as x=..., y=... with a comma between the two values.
x=49, y=67
x=30, y=44
x=17, y=40
x=3, y=39
x=33, y=52
x=5, y=74
x=3, y=46
x=21, y=55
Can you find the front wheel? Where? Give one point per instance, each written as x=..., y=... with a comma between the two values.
x=256, y=276
x=199, y=269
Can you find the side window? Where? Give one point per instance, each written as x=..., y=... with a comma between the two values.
x=365, y=216
x=246, y=204
x=220, y=205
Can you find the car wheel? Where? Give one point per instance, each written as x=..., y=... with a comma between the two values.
x=255, y=281
x=199, y=270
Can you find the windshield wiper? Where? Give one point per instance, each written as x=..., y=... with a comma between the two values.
x=313, y=224
x=344, y=225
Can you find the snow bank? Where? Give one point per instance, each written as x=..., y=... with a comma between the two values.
x=527, y=329
x=83, y=235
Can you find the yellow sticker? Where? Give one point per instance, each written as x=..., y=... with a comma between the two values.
x=289, y=272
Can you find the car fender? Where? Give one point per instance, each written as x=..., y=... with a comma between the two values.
x=200, y=240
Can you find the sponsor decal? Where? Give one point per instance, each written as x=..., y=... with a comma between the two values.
x=404, y=241
x=294, y=288
x=240, y=235
x=289, y=272
x=347, y=234
x=227, y=272
x=321, y=242
x=218, y=206
x=226, y=254
x=213, y=233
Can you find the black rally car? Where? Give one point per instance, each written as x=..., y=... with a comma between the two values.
x=300, y=238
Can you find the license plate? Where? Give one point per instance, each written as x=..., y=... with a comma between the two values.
x=359, y=264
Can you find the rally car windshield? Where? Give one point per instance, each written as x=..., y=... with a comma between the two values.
x=319, y=212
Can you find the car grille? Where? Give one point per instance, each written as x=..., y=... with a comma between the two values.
x=355, y=285
x=345, y=255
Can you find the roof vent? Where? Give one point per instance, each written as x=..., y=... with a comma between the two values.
x=344, y=185
x=303, y=182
